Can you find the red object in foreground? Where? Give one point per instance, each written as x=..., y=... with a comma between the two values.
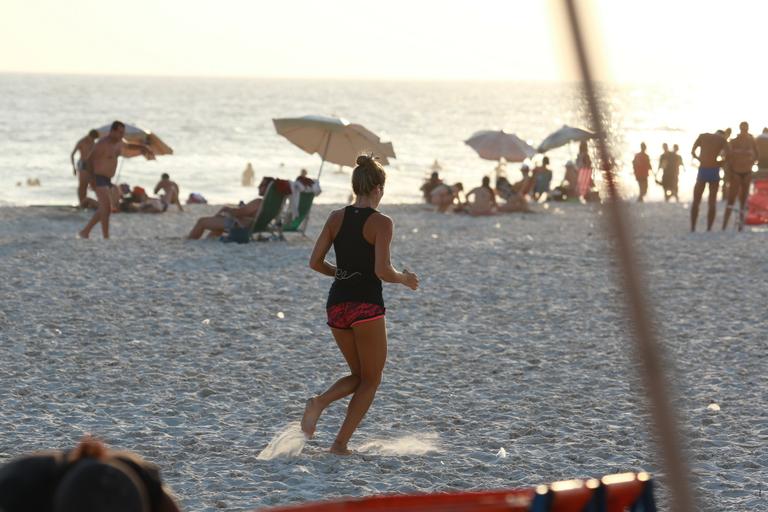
x=613, y=493
x=757, y=204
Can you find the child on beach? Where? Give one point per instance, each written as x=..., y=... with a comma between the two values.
x=360, y=236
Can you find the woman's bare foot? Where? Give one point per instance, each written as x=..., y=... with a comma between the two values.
x=312, y=412
x=339, y=449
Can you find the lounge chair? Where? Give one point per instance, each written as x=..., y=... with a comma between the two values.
x=299, y=223
x=271, y=207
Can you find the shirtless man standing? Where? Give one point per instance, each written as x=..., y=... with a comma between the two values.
x=711, y=145
x=171, y=190
x=103, y=163
x=84, y=146
x=743, y=156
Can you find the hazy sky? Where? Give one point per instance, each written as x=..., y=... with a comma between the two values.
x=652, y=40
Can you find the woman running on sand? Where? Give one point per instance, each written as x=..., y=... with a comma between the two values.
x=360, y=236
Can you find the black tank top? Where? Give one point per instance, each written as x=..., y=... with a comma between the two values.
x=355, y=279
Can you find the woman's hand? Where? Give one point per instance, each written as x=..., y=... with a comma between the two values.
x=410, y=279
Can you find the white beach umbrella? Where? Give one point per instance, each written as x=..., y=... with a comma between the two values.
x=336, y=140
x=562, y=137
x=136, y=135
x=497, y=144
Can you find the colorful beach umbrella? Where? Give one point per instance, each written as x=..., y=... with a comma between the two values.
x=334, y=139
x=136, y=135
x=563, y=136
x=497, y=144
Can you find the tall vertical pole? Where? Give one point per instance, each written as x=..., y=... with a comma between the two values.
x=648, y=350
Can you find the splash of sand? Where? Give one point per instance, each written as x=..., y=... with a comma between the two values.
x=289, y=442
x=415, y=444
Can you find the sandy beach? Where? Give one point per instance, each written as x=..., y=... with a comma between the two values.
x=197, y=354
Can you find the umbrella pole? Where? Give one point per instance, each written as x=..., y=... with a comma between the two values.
x=325, y=151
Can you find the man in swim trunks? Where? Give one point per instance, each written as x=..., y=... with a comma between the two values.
x=710, y=146
x=744, y=153
x=84, y=146
x=103, y=163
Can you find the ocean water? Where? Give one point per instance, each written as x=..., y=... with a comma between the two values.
x=216, y=126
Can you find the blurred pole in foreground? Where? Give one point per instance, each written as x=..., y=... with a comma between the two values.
x=648, y=350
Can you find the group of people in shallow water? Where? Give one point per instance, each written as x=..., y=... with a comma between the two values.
x=506, y=197
x=721, y=159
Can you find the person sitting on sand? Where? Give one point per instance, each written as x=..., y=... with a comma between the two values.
x=88, y=478
x=227, y=217
x=525, y=184
x=484, y=199
x=710, y=146
x=429, y=185
x=542, y=178
x=171, y=189
x=444, y=196
x=361, y=238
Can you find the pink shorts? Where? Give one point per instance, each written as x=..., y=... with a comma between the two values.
x=349, y=314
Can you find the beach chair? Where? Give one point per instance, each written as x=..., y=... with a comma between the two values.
x=299, y=223
x=271, y=207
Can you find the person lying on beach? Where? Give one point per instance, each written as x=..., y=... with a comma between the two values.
x=90, y=477
x=361, y=237
x=429, y=185
x=228, y=217
x=444, y=196
x=484, y=199
x=171, y=191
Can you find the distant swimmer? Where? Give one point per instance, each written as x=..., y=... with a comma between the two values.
x=84, y=146
x=248, y=176
x=710, y=146
x=361, y=238
x=743, y=156
x=170, y=192
x=642, y=165
x=102, y=162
